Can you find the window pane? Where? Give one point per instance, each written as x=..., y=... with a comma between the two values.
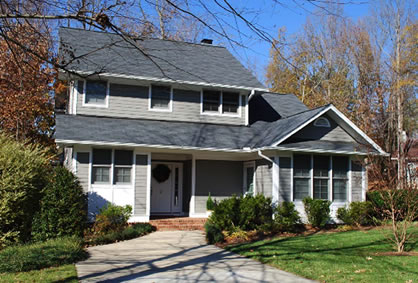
x=100, y=175
x=160, y=96
x=211, y=101
x=340, y=166
x=301, y=186
x=321, y=166
x=340, y=189
x=123, y=157
x=122, y=175
x=321, y=189
x=302, y=165
x=249, y=179
x=96, y=92
x=102, y=156
x=230, y=102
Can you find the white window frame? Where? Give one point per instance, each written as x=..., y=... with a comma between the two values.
x=220, y=109
x=323, y=119
x=94, y=105
x=170, y=104
x=246, y=165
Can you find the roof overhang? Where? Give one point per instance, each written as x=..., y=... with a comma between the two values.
x=82, y=74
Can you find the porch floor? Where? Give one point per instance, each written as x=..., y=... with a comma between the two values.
x=177, y=223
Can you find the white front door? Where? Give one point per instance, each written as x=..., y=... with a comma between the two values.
x=166, y=196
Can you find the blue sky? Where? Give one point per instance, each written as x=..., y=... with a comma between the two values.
x=271, y=16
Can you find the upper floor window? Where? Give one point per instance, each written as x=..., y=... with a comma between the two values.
x=160, y=98
x=95, y=93
x=220, y=102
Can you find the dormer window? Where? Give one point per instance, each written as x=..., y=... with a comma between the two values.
x=95, y=93
x=160, y=98
x=220, y=102
x=322, y=122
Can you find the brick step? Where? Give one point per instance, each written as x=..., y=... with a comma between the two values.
x=178, y=224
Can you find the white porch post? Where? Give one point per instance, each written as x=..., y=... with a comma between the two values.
x=148, y=205
x=192, y=198
x=275, y=169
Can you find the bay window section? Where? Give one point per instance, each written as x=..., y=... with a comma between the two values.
x=339, y=178
x=301, y=176
x=123, y=167
x=321, y=177
x=211, y=101
x=102, y=163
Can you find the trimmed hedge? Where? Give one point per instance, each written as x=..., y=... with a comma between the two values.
x=112, y=218
x=36, y=256
x=63, y=208
x=317, y=211
x=130, y=232
x=358, y=213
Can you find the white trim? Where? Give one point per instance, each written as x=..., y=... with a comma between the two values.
x=327, y=123
x=93, y=105
x=350, y=189
x=74, y=162
x=292, y=189
x=148, y=200
x=311, y=181
x=165, y=80
x=90, y=168
x=275, y=176
x=170, y=103
x=192, y=208
x=135, y=218
x=247, y=116
x=363, y=182
x=330, y=179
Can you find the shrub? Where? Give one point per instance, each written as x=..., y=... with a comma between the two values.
x=23, y=174
x=380, y=204
x=254, y=212
x=210, y=204
x=245, y=213
x=213, y=233
x=63, y=209
x=130, y=232
x=35, y=256
x=286, y=216
x=112, y=218
x=317, y=211
x=343, y=214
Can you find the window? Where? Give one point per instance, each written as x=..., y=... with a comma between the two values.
x=230, y=102
x=211, y=101
x=321, y=177
x=301, y=176
x=95, y=92
x=249, y=170
x=339, y=178
x=123, y=166
x=220, y=102
x=102, y=162
x=160, y=97
x=322, y=122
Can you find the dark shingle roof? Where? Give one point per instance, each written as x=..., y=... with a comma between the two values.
x=109, y=53
x=152, y=132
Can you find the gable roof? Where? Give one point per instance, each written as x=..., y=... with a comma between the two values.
x=108, y=53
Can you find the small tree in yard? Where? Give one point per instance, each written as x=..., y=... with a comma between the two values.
x=397, y=206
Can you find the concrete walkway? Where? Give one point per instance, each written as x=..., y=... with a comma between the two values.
x=174, y=256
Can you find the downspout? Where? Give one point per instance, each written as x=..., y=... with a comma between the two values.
x=252, y=93
x=264, y=157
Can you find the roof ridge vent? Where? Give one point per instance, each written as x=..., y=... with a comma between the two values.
x=206, y=41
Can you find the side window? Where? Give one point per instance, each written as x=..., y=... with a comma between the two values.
x=321, y=177
x=301, y=176
x=211, y=101
x=230, y=102
x=160, y=97
x=102, y=162
x=340, y=178
x=123, y=166
x=95, y=92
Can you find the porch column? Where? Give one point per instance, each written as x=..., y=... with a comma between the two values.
x=193, y=192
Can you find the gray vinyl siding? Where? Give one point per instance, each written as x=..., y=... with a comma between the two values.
x=82, y=169
x=334, y=133
x=221, y=178
x=285, y=179
x=141, y=185
x=128, y=101
x=264, y=178
x=356, y=181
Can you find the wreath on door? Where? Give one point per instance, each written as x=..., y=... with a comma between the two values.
x=161, y=173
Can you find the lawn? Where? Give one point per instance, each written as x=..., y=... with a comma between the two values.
x=64, y=273
x=335, y=257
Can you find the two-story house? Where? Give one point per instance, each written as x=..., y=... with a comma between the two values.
x=160, y=125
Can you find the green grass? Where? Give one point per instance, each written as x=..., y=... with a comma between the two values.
x=335, y=257
x=64, y=273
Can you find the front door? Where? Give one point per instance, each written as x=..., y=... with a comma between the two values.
x=166, y=192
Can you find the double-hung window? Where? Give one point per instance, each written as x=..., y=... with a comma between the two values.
x=123, y=166
x=339, y=178
x=102, y=163
x=160, y=98
x=321, y=177
x=301, y=176
x=95, y=92
x=220, y=102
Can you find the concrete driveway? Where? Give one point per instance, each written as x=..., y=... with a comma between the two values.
x=174, y=256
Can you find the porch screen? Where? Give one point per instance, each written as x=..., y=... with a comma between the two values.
x=102, y=162
x=340, y=178
x=301, y=176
